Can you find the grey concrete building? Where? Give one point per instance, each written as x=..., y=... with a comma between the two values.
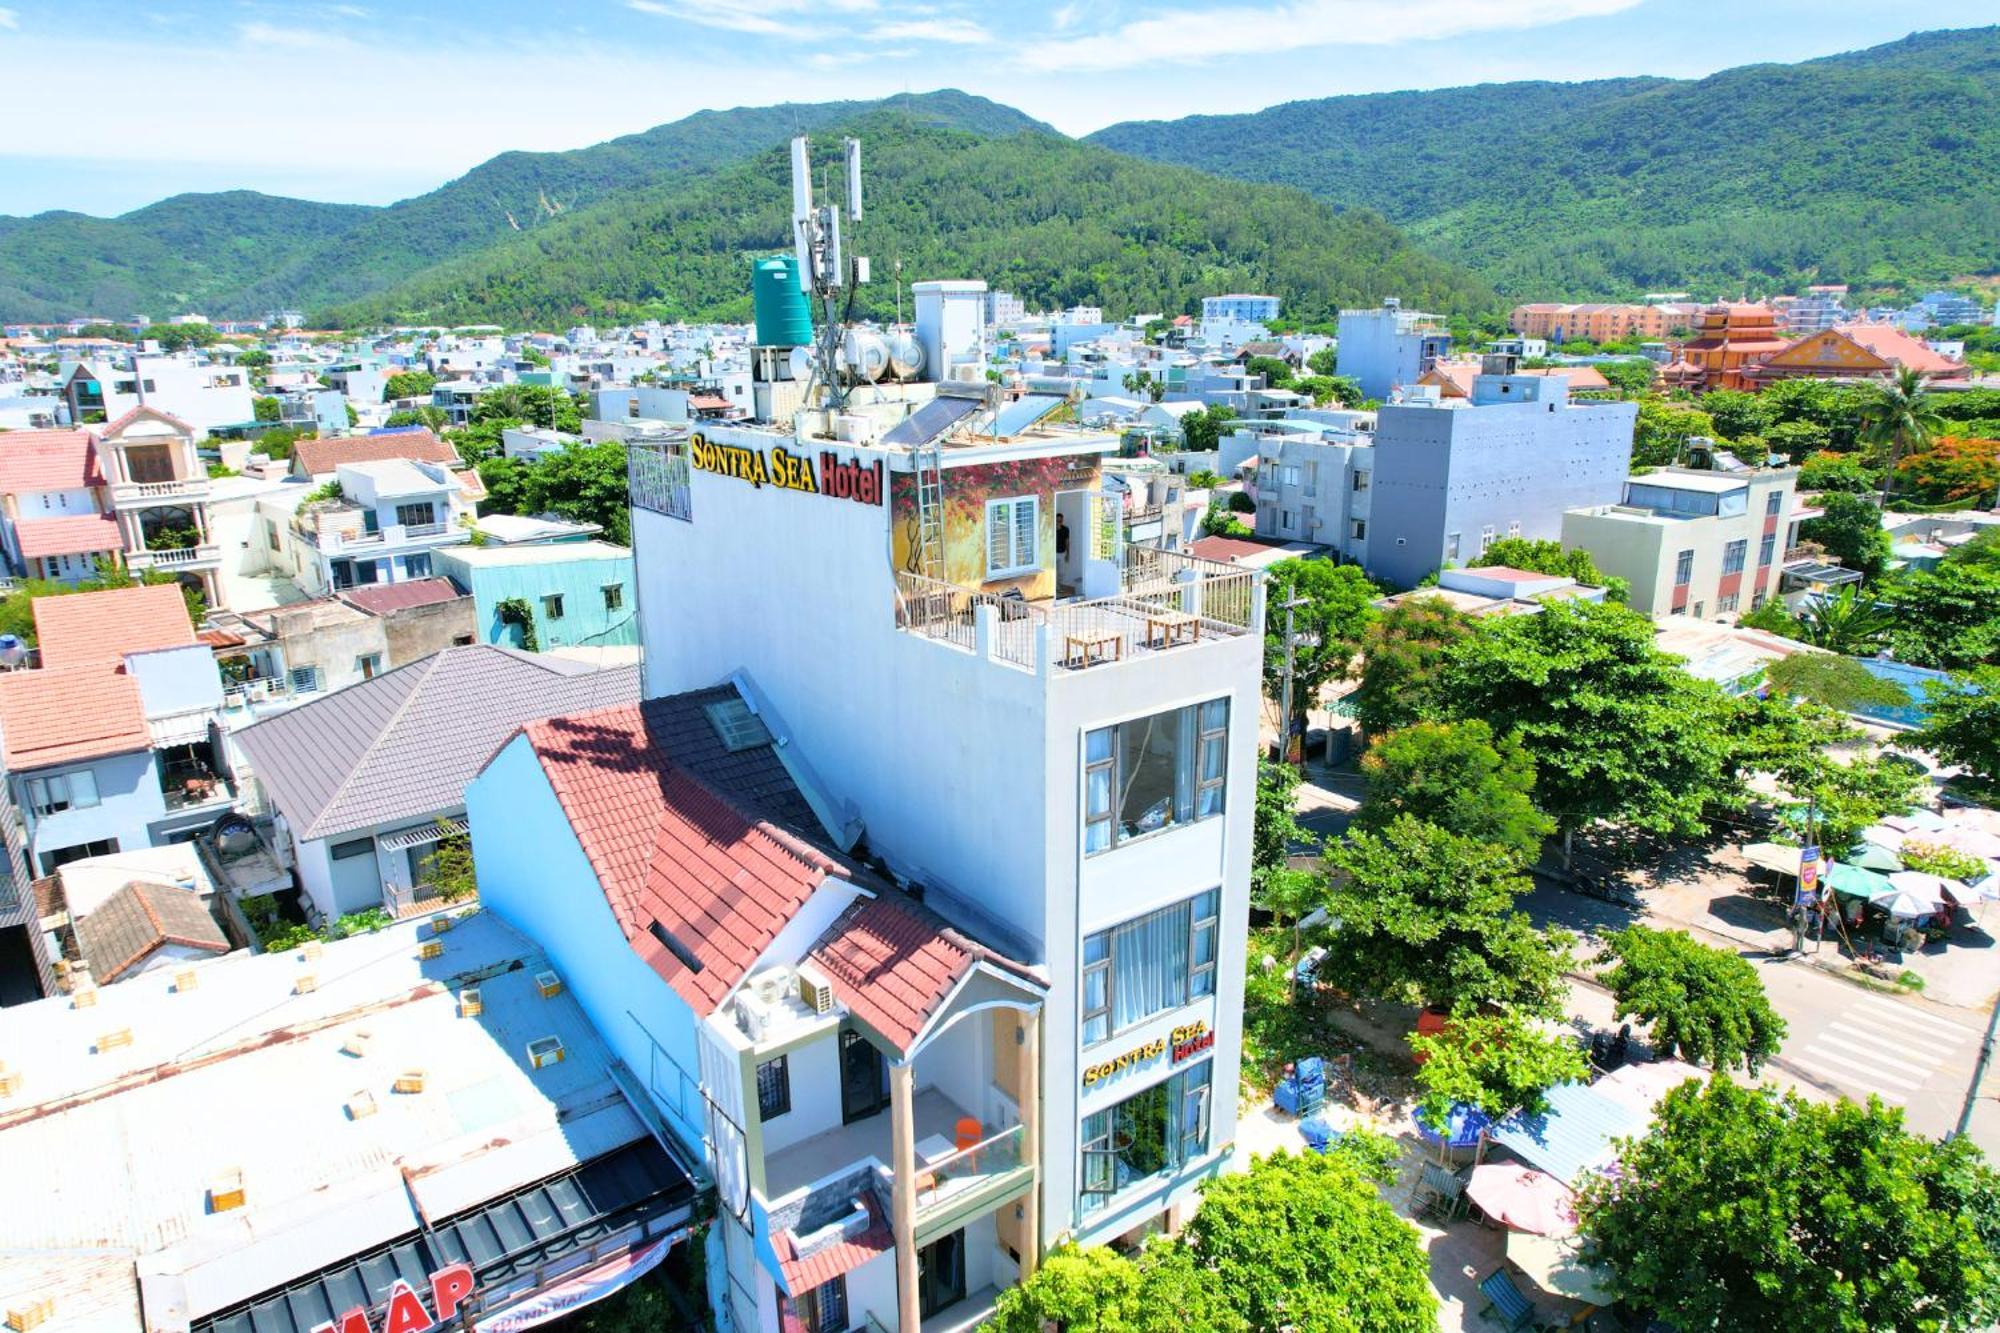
x=1450, y=479
x=1389, y=348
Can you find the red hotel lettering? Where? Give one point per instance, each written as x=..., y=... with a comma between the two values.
x=449, y=1288
x=1193, y=1046
x=850, y=480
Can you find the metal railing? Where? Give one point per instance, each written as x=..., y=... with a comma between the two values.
x=1168, y=600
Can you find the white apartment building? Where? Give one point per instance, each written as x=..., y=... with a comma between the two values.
x=1314, y=485
x=387, y=518
x=1051, y=738
x=1239, y=306
x=201, y=393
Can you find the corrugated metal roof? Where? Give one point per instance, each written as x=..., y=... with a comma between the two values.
x=407, y=743
x=1573, y=1135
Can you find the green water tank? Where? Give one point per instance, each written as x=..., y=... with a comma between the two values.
x=780, y=307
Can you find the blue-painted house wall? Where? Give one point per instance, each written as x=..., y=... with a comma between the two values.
x=129, y=799
x=585, y=621
x=532, y=871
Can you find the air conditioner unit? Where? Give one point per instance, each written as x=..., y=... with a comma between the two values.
x=770, y=986
x=816, y=992
x=752, y=1017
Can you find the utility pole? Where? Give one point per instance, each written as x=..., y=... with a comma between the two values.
x=1285, y=706
x=1978, y=1073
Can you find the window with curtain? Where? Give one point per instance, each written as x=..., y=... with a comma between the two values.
x=1154, y=1131
x=1149, y=965
x=1155, y=772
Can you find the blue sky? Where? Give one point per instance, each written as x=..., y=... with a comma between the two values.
x=116, y=103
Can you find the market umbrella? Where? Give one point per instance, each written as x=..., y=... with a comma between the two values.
x=1522, y=1198
x=1911, y=893
x=1553, y=1264
x=1857, y=882
x=1874, y=856
x=1642, y=1086
x=1917, y=821
x=1883, y=836
x=1776, y=857
x=1971, y=841
x=1463, y=1125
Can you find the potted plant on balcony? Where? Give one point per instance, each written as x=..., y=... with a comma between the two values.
x=172, y=539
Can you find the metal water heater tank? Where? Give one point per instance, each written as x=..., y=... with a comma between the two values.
x=865, y=355
x=906, y=355
x=777, y=304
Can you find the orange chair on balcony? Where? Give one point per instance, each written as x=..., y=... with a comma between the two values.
x=967, y=1135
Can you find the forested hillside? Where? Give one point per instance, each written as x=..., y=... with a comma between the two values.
x=1055, y=221
x=242, y=254
x=1876, y=167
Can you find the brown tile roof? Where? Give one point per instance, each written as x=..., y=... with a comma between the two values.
x=825, y=1262
x=1899, y=348
x=672, y=855
x=132, y=924
x=321, y=458
x=103, y=626
x=1227, y=549
x=144, y=412
x=66, y=714
x=70, y=534
x=48, y=460
x=892, y=962
x=381, y=599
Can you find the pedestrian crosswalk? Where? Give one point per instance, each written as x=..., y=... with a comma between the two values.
x=1884, y=1047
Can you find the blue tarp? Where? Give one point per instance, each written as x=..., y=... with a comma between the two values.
x=1463, y=1125
x=1573, y=1135
x=1912, y=680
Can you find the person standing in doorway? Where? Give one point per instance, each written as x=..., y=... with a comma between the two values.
x=1062, y=537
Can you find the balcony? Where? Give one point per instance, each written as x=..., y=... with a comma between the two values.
x=1166, y=601
x=391, y=537
x=144, y=494
x=205, y=556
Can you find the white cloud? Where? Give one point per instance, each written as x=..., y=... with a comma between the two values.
x=9, y=19
x=1204, y=34
x=1065, y=17
x=295, y=39
x=953, y=32
x=768, y=18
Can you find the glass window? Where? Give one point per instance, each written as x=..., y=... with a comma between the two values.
x=552, y=606
x=65, y=791
x=1733, y=556
x=415, y=515
x=1156, y=1130
x=1154, y=772
x=1774, y=502
x=774, y=1088
x=1485, y=539
x=1149, y=965
x=342, y=851
x=824, y=1308
x=368, y=664
x=1767, y=548
x=1726, y=603
x=614, y=596
x=417, y=566
x=1361, y=481
x=1013, y=530
x=1358, y=527
x=1514, y=528
x=1684, y=569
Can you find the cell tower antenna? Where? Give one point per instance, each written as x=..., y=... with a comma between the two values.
x=823, y=268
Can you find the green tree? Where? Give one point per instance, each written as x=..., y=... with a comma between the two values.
x=1899, y=420
x=449, y=867
x=586, y=483
x=1323, y=362
x=179, y=337
x=1850, y=528
x=1772, y=618
x=1458, y=776
x=1545, y=557
x=1201, y=430
x=1277, y=372
x=537, y=405
x=1403, y=654
x=1954, y=470
x=1428, y=917
x=1328, y=628
x=1798, y=440
x=1745, y=1208
x=433, y=419
x=1849, y=622
x=1963, y=723
x=1161, y=1290
x=1946, y=617
x=1832, y=681
x=256, y=358
x=1496, y=1062
x=1825, y=471
x=1618, y=730
x=1703, y=1004
x=1307, y=1244
x=1736, y=413
x=266, y=408
x=1660, y=435
x=1631, y=378
x=408, y=384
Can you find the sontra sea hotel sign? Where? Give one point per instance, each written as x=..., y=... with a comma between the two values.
x=829, y=474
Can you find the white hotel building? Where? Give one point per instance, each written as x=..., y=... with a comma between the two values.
x=1053, y=738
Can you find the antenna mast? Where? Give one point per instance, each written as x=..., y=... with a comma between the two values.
x=822, y=269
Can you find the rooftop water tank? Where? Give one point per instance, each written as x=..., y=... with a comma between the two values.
x=779, y=306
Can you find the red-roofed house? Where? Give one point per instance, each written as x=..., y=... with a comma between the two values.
x=112, y=744
x=865, y=1070
x=1856, y=351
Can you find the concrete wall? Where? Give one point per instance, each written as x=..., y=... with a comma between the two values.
x=1440, y=471
x=423, y=630
x=534, y=874
x=176, y=680
x=580, y=582
x=129, y=799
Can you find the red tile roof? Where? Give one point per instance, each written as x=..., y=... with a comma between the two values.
x=152, y=412
x=670, y=853
x=71, y=534
x=892, y=964
x=380, y=599
x=104, y=626
x=1899, y=348
x=320, y=458
x=67, y=714
x=834, y=1259
x=48, y=460
x=1227, y=549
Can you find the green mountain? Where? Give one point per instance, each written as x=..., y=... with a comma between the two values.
x=1053, y=220
x=1875, y=167
x=241, y=253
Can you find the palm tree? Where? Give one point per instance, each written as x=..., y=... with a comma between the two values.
x=1901, y=419
x=1847, y=623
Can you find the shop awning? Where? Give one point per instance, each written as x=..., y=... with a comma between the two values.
x=1855, y=881
x=1773, y=856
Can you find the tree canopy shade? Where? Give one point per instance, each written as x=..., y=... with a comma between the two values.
x=1850, y=528
x=1948, y=617
x=1100, y=1290
x=1963, y=726
x=1899, y=419
x=1496, y=1062
x=1748, y=1209
x=1403, y=653
x=1617, y=729
x=1201, y=432
x=1307, y=1244
x=1428, y=917
x=1458, y=776
x=1661, y=434
x=1328, y=627
x=408, y=384
x=1704, y=1004
x=583, y=482
x=1835, y=682
x=1549, y=557
x=1954, y=470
